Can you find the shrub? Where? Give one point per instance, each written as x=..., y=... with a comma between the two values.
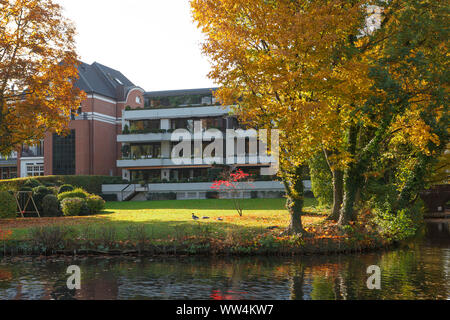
x=65, y=188
x=50, y=238
x=76, y=193
x=92, y=184
x=402, y=224
x=73, y=206
x=50, y=206
x=8, y=206
x=38, y=195
x=32, y=183
x=95, y=204
x=321, y=179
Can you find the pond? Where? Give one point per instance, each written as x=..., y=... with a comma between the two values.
x=420, y=271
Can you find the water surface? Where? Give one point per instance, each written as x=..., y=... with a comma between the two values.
x=421, y=271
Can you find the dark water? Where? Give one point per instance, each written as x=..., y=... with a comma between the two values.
x=421, y=271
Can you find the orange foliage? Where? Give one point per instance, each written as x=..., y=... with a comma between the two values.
x=37, y=71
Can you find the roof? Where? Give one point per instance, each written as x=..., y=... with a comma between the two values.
x=174, y=93
x=100, y=79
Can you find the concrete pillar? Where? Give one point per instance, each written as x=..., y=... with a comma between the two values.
x=165, y=149
x=165, y=124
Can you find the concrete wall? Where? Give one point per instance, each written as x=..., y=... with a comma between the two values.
x=198, y=190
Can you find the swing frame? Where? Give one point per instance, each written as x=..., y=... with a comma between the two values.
x=30, y=197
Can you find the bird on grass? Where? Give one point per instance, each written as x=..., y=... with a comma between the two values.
x=205, y=217
x=195, y=217
x=220, y=219
x=272, y=228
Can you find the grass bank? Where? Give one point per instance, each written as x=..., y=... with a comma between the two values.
x=167, y=227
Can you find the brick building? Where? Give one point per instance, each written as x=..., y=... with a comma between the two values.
x=91, y=148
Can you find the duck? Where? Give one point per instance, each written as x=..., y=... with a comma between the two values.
x=195, y=217
x=205, y=217
x=272, y=228
x=220, y=219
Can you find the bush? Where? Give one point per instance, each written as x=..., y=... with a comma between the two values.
x=50, y=206
x=95, y=204
x=38, y=195
x=65, y=188
x=32, y=183
x=50, y=238
x=400, y=225
x=76, y=193
x=8, y=206
x=73, y=206
x=321, y=179
x=92, y=184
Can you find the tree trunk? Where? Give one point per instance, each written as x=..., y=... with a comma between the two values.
x=294, y=204
x=350, y=189
x=338, y=193
x=351, y=179
x=295, y=208
x=414, y=184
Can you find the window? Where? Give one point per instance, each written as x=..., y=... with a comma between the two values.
x=182, y=124
x=8, y=173
x=138, y=100
x=146, y=151
x=145, y=125
x=35, y=169
x=64, y=154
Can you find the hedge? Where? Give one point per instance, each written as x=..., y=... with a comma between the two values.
x=92, y=184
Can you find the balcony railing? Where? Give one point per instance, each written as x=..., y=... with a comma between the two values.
x=163, y=162
x=33, y=151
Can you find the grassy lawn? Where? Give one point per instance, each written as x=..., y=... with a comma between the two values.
x=164, y=219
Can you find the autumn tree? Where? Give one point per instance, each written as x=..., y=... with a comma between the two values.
x=349, y=79
x=38, y=67
x=281, y=63
x=406, y=116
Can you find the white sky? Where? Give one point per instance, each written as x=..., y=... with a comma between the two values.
x=154, y=43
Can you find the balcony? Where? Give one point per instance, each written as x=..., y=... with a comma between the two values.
x=36, y=151
x=173, y=113
x=144, y=137
x=186, y=162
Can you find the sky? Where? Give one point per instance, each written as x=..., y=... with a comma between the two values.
x=154, y=43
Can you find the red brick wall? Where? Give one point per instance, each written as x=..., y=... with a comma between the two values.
x=96, y=147
x=105, y=153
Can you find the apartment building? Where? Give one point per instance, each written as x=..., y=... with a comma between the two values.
x=121, y=130
x=148, y=137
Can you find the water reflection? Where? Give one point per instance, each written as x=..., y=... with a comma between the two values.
x=421, y=271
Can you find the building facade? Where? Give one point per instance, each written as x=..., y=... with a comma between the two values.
x=121, y=130
x=150, y=135
x=91, y=146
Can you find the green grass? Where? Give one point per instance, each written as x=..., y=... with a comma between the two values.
x=164, y=219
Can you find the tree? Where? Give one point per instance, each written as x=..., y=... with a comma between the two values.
x=406, y=116
x=38, y=67
x=335, y=82
x=288, y=65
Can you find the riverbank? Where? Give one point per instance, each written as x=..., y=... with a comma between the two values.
x=167, y=228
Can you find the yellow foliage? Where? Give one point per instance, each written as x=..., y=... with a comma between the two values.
x=37, y=71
